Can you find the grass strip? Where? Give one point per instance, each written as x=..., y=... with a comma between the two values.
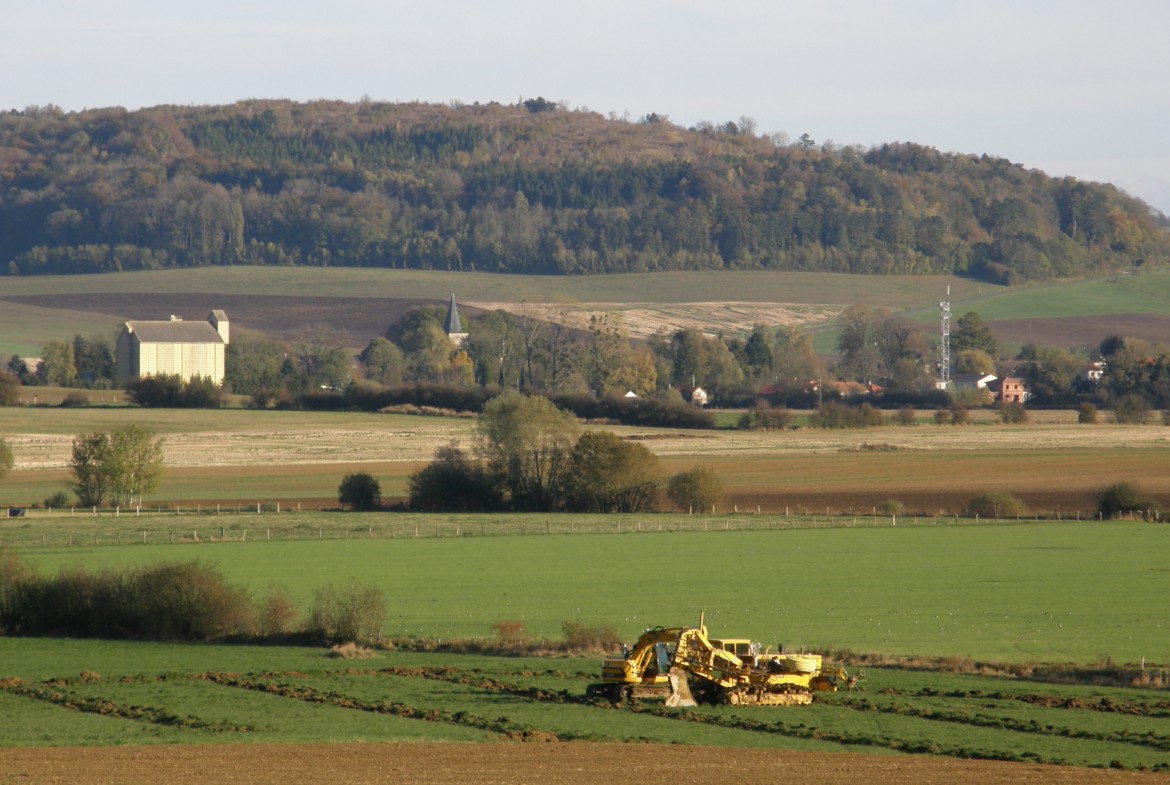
x=502, y=727
x=57, y=693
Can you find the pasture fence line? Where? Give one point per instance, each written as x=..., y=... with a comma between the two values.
x=115, y=529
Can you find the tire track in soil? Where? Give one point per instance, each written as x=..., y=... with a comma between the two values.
x=57, y=693
x=802, y=731
x=502, y=728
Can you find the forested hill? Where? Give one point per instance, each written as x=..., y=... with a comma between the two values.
x=531, y=188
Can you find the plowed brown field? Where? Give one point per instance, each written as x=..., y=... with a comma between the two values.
x=512, y=764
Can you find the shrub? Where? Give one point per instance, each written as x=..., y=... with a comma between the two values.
x=58, y=500
x=452, y=483
x=1087, y=414
x=581, y=637
x=167, y=602
x=74, y=399
x=960, y=415
x=262, y=398
x=1124, y=497
x=509, y=631
x=1131, y=410
x=996, y=505
x=942, y=416
x=9, y=389
x=1013, y=413
x=836, y=415
x=766, y=418
x=360, y=491
x=905, y=416
x=277, y=614
x=354, y=614
x=891, y=507
x=698, y=489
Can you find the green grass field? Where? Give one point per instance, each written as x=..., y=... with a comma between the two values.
x=1019, y=593
x=1005, y=593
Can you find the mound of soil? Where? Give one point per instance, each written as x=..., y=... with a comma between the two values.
x=510, y=764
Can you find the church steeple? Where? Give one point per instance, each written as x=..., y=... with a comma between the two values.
x=452, y=325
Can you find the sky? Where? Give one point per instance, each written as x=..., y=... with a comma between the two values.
x=1070, y=87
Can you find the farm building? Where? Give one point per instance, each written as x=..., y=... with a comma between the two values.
x=173, y=347
x=1008, y=390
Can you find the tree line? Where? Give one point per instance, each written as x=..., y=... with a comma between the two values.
x=531, y=188
x=893, y=362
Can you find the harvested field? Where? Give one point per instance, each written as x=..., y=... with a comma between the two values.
x=579, y=763
x=643, y=320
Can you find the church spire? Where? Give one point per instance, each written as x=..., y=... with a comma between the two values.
x=452, y=325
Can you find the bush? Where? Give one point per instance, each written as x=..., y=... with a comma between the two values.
x=1124, y=497
x=1013, y=413
x=74, y=400
x=277, y=614
x=452, y=483
x=942, y=416
x=9, y=389
x=172, y=391
x=360, y=491
x=698, y=489
x=892, y=507
x=58, y=500
x=837, y=415
x=509, y=631
x=765, y=418
x=996, y=505
x=581, y=637
x=351, y=615
x=905, y=416
x=1131, y=410
x=960, y=415
x=1087, y=414
x=168, y=602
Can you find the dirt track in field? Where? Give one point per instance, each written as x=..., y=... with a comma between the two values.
x=511, y=764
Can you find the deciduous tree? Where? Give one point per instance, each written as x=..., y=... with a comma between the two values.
x=526, y=443
x=120, y=466
x=609, y=474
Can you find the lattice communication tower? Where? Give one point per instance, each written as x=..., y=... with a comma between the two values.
x=944, y=365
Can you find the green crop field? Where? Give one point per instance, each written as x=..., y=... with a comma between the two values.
x=999, y=602
x=1055, y=592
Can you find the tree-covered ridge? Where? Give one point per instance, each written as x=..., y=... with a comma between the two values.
x=529, y=188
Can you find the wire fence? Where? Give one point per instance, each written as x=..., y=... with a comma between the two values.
x=274, y=522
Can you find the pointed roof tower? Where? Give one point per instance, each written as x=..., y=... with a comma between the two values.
x=452, y=326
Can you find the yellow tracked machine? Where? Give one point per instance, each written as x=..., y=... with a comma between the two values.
x=683, y=666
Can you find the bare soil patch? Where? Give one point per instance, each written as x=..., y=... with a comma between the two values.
x=354, y=320
x=1077, y=331
x=511, y=764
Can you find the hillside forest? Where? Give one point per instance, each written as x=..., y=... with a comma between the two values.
x=529, y=188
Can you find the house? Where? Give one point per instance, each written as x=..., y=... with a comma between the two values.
x=452, y=324
x=1009, y=389
x=1093, y=372
x=973, y=381
x=174, y=347
x=696, y=395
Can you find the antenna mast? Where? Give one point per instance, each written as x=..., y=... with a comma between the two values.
x=944, y=365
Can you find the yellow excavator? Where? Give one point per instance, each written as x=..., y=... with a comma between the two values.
x=684, y=666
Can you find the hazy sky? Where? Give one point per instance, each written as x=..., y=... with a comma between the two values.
x=1066, y=86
